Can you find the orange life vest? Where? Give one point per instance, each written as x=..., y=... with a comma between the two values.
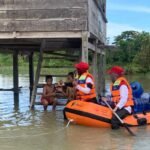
x=82, y=82
x=114, y=88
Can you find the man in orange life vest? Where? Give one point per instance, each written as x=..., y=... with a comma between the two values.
x=121, y=93
x=84, y=84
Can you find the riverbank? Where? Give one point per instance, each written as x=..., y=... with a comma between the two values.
x=6, y=65
x=130, y=68
x=24, y=69
x=7, y=70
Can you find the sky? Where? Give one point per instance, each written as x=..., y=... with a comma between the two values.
x=125, y=15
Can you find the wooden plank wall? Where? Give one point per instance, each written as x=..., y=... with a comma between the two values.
x=97, y=24
x=43, y=15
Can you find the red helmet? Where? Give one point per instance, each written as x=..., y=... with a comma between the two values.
x=82, y=66
x=117, y=70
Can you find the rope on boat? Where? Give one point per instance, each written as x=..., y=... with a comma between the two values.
x=70, y=120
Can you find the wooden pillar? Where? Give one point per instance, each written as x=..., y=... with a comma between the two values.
x=16, y=101
x=15, y=72
x=31, y=73
x=37, y=75
x=15, y=79
x=84, y=54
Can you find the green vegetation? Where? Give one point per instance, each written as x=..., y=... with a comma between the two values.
x=6, y=62
x=132, y=52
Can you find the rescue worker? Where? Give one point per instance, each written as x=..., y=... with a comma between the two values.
x=121, y=95
x=84, y=84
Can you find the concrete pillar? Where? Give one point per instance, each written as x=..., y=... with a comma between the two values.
x=95, y=66
x=101, y=73
x=84, y=54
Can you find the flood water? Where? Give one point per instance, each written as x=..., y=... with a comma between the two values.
x=22, y=129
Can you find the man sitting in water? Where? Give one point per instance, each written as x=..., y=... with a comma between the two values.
x=121, y=93
x=48, y=96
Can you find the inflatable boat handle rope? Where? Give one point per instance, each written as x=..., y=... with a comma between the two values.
x=122, y=122
x=70, y=120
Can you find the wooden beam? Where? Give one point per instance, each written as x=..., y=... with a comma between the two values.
x=64, y=58
x=33, y=96
x=49, y=49
x=16, y=101
x=21, y=47
x=15, y=72
x=65, y=55
x=31, y=73
x=110, y=47
x=44, y=75
x=15, y=79
x=91, y=46
x=38, y=35
x=40, y=85
x=39, y=103
x=55, y=67
x=11, y=89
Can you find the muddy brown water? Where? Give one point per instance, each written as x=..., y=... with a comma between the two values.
x=22, y=129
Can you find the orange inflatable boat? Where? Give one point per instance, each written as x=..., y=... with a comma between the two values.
x=94, y=115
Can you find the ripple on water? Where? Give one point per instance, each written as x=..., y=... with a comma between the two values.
x=28, y=130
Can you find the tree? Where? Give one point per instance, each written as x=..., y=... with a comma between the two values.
x=126, y=42
x=133, y=50
x=143, y=56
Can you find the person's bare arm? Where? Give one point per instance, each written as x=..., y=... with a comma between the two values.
x=44, y=91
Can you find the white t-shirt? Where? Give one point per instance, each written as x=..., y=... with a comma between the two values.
x=85, y=89
x=123, y=98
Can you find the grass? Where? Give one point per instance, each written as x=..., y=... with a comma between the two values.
x=6, y=67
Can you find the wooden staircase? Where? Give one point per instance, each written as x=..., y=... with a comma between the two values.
x=39, y=73
x=37, y=76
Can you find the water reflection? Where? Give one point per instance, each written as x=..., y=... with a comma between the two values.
x=23, y=129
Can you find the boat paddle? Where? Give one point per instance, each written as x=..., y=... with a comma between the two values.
x=121, y=121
